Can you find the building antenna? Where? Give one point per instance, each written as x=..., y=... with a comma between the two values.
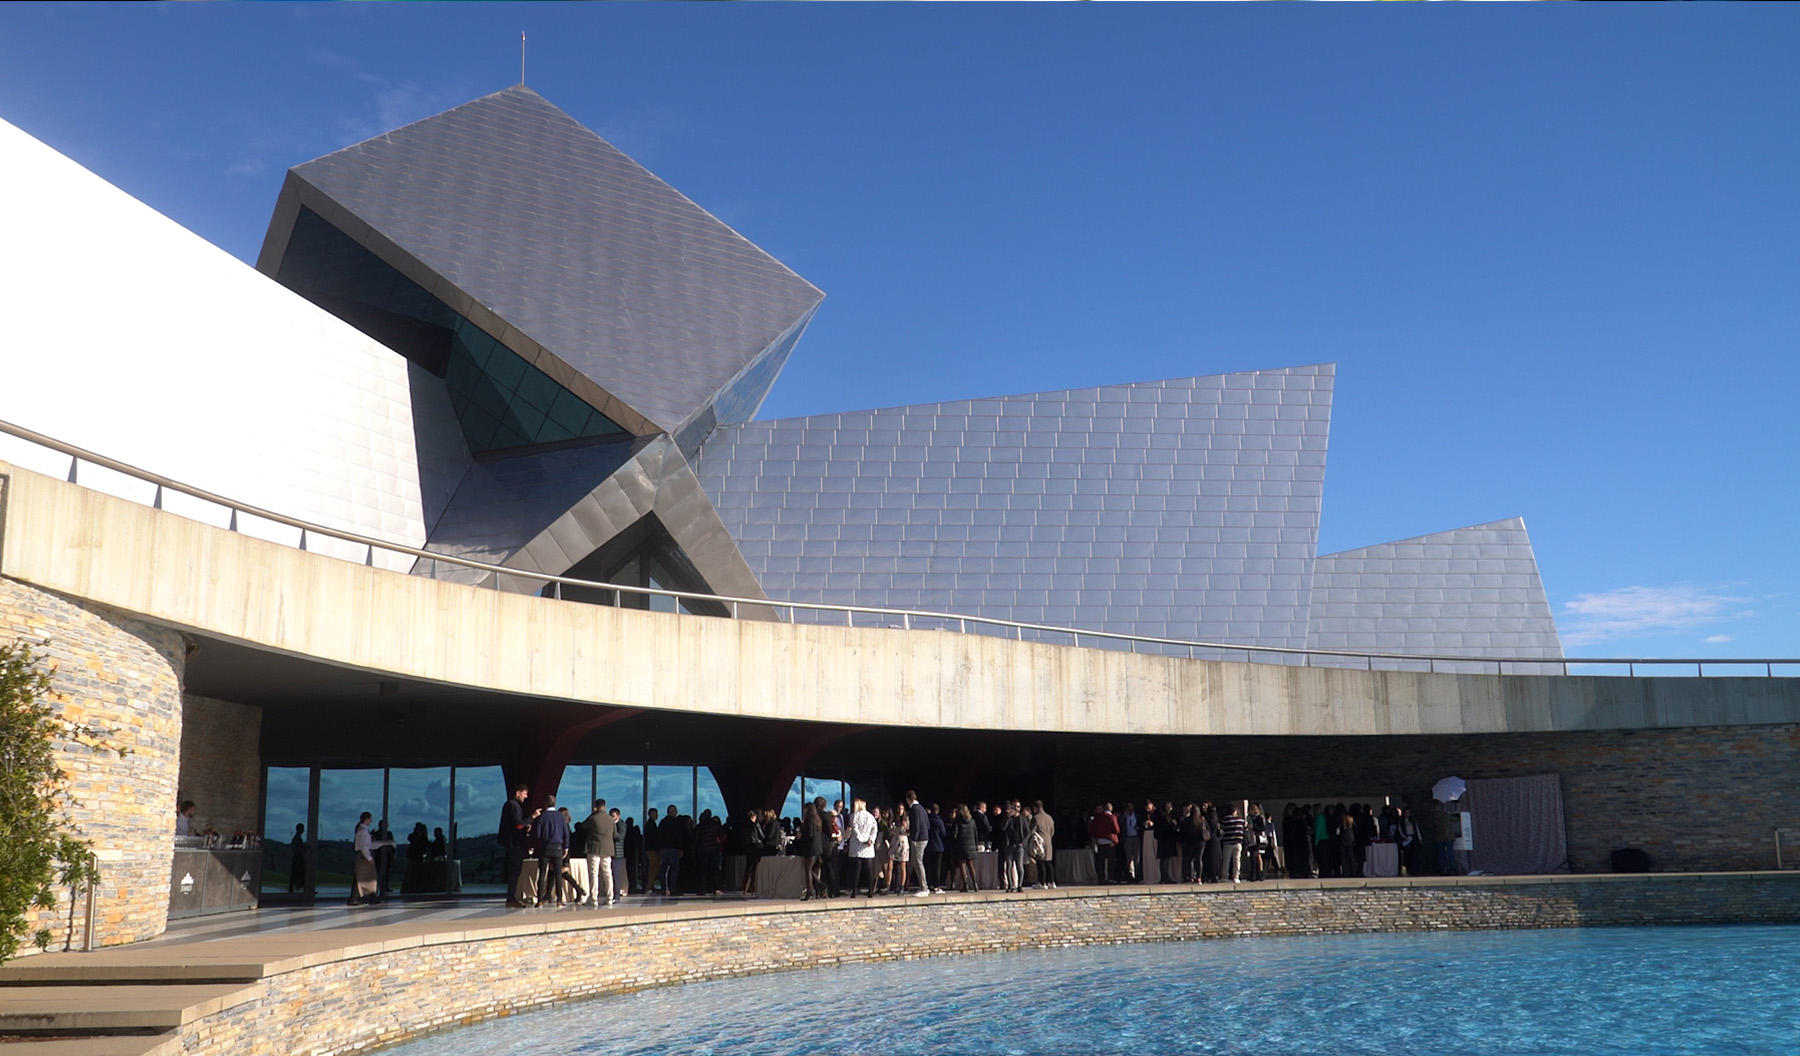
x=521, y=56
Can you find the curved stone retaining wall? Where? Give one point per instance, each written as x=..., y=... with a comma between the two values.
x=124, y=676
x=393, y=988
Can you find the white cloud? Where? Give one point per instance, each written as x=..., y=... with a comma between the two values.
x=1631, y=611
x=1717, y=639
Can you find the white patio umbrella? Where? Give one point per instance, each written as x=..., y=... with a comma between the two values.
x=1449, y=789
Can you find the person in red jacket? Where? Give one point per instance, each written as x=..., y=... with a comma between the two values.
x=1103, y=831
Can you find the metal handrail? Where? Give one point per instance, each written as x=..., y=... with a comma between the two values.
x=962, y=621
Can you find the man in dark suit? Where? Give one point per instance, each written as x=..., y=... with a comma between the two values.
x=515, y=835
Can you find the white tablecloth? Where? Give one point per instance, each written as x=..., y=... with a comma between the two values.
x=1383, y=860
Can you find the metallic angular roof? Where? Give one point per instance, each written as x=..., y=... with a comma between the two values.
x=550, y=227
x=1467, y=592
x=1185, y=508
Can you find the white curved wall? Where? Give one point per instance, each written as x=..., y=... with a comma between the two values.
x=135, y=338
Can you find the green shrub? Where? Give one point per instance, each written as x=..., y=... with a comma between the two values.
x=39, y=847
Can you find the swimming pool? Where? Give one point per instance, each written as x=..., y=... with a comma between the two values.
x=1597, y=992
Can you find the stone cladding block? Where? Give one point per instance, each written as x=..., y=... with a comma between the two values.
x=124, y=676
x=221, y=763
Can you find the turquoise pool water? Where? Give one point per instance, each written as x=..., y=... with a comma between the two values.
x=1599, y=992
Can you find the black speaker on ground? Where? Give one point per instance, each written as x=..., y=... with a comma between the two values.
x=1630, y=860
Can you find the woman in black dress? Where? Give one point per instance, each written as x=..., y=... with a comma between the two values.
x=1215, y=847
x=812, y=849
x=963, y=840
x=753, y=848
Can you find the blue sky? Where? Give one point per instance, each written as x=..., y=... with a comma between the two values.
x=1553, y=250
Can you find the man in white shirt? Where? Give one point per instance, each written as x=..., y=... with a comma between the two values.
x=367, y=888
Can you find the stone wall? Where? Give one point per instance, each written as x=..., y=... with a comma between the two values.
x=395, y=988
x=1694, y=799
x=123, y=675
x=221, y=763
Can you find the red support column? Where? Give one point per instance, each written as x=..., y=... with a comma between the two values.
x=546, y=750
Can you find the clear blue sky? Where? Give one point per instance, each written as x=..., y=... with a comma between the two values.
x=1554, y=250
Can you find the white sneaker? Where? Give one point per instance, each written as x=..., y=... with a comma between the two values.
x=921, y=893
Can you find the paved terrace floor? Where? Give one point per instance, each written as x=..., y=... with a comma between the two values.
x=147, y=998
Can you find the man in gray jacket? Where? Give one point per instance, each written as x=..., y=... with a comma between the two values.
x=599, y=826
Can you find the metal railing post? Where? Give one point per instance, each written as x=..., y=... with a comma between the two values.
x=87, y=930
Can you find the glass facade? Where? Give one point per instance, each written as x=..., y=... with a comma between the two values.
x=343, y=796
x=501, y=400
x=417, y=798
x=287, y=795
x=463, y=801
x=480, y=793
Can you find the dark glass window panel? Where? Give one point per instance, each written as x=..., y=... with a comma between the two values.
x=283, y=809
x=600, y=425
x=411, y=300
x=569, y=412
x=672, y=785
x=475, y=344
x=536, y=388
x=501, y=399
x=710, y=798
x=480, y=428
x=553, y=431
x=528, y=420
x=490, y=399
x=506, y=368
x=462, y=374
x=343, y=795
x=480, y=793
x=621, y=787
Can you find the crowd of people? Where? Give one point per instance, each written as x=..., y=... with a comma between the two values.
x=917, y=848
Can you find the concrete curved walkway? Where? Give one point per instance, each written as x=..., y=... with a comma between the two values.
x=193, y=577
x=335, y=980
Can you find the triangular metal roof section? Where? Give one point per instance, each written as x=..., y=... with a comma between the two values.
x=1471, y=591
x=1186, y=508
x=582, y=250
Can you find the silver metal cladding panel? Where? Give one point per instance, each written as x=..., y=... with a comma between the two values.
x=1467, y=592
x=504, y=502
x=576, y=245
x=1185, y=508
